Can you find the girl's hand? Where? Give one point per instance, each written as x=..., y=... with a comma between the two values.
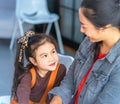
x=56, y=100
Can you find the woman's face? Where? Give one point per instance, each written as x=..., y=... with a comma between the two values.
x=46, y=57
x=93, y=33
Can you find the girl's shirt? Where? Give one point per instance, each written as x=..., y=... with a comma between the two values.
x=24, y=92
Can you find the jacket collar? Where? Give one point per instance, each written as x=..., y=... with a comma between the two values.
x=114, y=52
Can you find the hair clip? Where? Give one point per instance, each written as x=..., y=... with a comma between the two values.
x=24, y=43
x=24, y=40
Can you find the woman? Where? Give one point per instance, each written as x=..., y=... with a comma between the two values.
x=94, y=76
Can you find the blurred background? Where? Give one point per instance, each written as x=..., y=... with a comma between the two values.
x=69, y=24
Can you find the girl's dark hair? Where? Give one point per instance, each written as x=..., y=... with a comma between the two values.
x=101, y=13
x=33, y=43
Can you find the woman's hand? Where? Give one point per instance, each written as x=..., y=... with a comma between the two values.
x=56, y=100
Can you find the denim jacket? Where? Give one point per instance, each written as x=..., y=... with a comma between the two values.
x=103, y=83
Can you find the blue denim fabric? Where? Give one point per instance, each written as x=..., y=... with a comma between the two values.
x=103, y=83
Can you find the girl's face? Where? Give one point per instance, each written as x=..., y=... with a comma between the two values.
x=93, y=33
x=46, y=58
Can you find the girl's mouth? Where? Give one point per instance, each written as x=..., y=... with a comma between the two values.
x=53, y=64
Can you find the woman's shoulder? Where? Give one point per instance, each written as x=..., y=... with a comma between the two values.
x=86, y=43
x=85, y=48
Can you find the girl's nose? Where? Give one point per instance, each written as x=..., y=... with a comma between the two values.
x=51, y=58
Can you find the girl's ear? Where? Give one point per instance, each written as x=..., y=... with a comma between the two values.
x=32, y=60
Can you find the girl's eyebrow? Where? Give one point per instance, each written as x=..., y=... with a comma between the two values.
x=46, y=53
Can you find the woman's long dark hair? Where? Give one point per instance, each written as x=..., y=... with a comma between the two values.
x=29, y=51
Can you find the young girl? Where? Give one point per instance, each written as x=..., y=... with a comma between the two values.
x=41, y=54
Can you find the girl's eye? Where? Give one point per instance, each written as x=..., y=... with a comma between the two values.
x=54, y=51
x=44, y=56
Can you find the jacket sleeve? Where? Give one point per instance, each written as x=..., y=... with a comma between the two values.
x=65, y=88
